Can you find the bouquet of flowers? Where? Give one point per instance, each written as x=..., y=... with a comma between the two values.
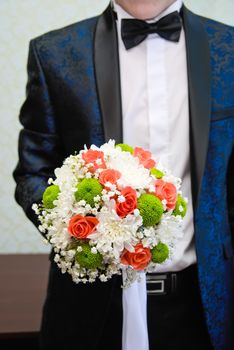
x=111, y=208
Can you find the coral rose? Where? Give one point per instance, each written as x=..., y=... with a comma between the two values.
x=166, y=191
x=82, y=226
x=96, y=158
x=144, y=157
x=109, y=175
x=129, y=204
x=139, y=259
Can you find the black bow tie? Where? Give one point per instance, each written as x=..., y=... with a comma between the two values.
x=134, y=31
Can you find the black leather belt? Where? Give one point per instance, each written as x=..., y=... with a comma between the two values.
x=171, y=283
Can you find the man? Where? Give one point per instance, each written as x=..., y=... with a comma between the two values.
x=165, y=83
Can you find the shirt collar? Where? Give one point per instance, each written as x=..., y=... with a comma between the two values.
x=121, y=13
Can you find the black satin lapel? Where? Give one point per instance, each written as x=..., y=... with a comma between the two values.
x=199, y=76
x=106, y=60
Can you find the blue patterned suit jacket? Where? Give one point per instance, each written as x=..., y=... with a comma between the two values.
x=73, y=98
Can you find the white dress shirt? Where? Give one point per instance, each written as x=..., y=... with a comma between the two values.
x=154, y=88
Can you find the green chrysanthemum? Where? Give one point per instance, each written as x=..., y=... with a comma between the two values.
x=156, y=173
x=125, y=147
x=87, y=189
x=51, y=193
x=160, y=253
x=87, y=259
x=181, y=206
x=151, y=209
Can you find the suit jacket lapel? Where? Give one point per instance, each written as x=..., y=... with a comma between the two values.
x=106, y=60
x=199, y=76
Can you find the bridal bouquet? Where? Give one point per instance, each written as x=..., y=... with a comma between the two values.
x=111, y=208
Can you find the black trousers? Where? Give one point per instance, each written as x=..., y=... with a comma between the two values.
x=177, y=321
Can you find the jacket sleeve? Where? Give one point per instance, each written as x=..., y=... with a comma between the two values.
x=230, y=191
x=40, y=149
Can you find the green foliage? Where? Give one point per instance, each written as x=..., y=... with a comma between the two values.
x=125, y=147
x=158, y=174
x=181, y=206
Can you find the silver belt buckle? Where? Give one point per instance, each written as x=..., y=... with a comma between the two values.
x=156, y=283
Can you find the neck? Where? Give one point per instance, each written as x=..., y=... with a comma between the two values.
x=144, y=9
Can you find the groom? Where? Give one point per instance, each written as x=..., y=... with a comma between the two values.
x=164, y=82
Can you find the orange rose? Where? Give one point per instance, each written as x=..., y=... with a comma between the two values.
x=139, y=259
x=109, y=175
x=81, y=226
x=167, y=191
x=144, y=157
x=130, y=203
x=95, y=157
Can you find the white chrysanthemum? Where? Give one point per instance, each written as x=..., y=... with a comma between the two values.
x=132, y=173
x=170, y=229
x=65, y=178
x=114, y=233
x=149, y=238
x=108, y=147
